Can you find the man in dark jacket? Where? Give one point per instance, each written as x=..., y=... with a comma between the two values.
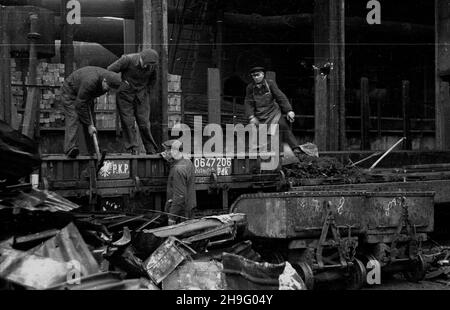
x=139, y=75
x=265, y=103
x=77, y=95
x=181, y=196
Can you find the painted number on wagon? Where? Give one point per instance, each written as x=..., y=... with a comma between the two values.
x=204, y=166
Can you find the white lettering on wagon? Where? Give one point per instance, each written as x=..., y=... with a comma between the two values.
x=111, y=168
x=391, y=204
x=340, y=208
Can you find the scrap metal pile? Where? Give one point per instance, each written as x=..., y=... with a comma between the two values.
x=76, y=250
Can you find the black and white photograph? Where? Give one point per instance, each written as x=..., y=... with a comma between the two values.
x=237, y=147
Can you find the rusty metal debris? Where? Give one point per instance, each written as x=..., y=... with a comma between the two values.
x=36, y=200
x=68, y=246
x=85, y=251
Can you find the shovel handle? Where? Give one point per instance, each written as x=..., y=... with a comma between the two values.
x=94, y=137
x=97, y=149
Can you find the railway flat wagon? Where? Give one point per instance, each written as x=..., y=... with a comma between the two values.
x=124, y=177
x=335, y=235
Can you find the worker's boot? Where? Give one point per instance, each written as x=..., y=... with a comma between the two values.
x=151, y=151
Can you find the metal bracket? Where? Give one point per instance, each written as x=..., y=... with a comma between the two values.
x=411, y=234
x=45, y=183
x=335, y=241
x=214, y=186
x=92, y=185
x=283, y=183
x=137, y=186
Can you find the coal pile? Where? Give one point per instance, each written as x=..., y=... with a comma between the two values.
x=317, y=170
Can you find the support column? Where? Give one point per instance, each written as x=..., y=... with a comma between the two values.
x=31, y=115
x=152, y=32
x=365, y=114
x=442, y=37
x=329, y=46
x=5, y=64
x=67, y=49
x=406, y=102
x=129, y=36
x=214, y=96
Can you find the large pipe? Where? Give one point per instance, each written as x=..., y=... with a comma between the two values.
x=105, y=31
x=125, y=9
x=89, y=8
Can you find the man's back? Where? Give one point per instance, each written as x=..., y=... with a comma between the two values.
x=181, y=187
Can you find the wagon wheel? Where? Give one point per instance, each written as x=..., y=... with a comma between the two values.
x=306, y=273
x=417, y=270
x=358, y=275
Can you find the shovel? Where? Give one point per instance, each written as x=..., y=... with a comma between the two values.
x=100, y=156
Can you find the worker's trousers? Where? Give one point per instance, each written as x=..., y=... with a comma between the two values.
x=73, y=126
x=286, y=135
x=131, y=110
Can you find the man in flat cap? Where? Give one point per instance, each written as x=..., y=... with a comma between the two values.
x=181, y=196
x=139, y=75
x=265, y=103
x=77, y=95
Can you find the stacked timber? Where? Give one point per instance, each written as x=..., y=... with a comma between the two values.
x=105, y=111
x=50, y=78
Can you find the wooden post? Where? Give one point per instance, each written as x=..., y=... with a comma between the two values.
x=442, y=64
x=5, y=68
x=379, y=115
x=321, y=111
x=31, y=115
x=219, y=43
x=225, y=198
x=67, y=49
x=214, y=96
x=443, y=128
x=152, y=32
x=365, y=114
x=129, y=36
x=406, y=102
x=329, y=47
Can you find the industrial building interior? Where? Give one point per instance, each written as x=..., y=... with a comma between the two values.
x=372, y=99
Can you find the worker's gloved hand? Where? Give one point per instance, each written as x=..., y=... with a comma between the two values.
x=254, y=121
x=291, y=116
x=92, y=130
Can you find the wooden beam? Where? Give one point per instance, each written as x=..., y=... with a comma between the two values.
x=329, y=47
x=214, y=96
x=31, y=115
x=365, y=114
x=67, y=49
x=337, y=75
x=152, y=32
x=129, y=36
x=5, y=67
x=406, y=108
x=442, y=64
x=321, y=111
x=442, y=110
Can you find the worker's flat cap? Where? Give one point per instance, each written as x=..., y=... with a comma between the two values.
x=149, y=56
x=113, y=79
x=257, y=69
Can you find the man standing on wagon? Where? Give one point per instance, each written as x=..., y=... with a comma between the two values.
x=139, y=74
x=265, y=103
